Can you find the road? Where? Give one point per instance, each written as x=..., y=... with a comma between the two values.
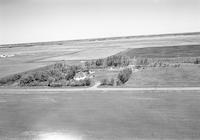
x=94, y=88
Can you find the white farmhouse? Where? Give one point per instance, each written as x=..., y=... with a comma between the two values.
x=80, y=76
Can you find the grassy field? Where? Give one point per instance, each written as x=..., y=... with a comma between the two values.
x=101, y=115
x=33, y=55
x=184, y=76
x=164, y=52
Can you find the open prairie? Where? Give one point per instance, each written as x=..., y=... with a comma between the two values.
x=105, y=115
x=33, y=55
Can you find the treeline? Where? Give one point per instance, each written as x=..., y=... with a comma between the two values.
x=157, y=61
x=57, y=75
x=166, y=62
x=115, y=60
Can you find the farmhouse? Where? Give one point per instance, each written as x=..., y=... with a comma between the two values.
x=80, y=76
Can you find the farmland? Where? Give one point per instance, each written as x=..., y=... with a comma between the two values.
x=164, y=52
x=33, y=55
x=104, y=115
x=184, y=76
x=160, y=100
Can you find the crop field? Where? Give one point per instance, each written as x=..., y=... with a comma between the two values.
x=164, y=52
x=104, y=115
x=33, y=55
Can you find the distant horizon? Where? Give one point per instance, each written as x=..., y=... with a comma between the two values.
x=109, y=37
x=23, y=21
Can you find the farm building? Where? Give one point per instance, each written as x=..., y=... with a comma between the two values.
x=132, y=67
x=80, y=76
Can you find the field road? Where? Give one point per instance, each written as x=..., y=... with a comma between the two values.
x=94, y=88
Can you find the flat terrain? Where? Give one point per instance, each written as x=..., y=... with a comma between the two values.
x=105, y=115
x=165, y=105
x=184, y=76
x=164, y=52
x=32, y=55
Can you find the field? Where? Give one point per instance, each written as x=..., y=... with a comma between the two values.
x=104, y=115
x=184, y=76
x=146, y=107
x=33, y=55
x=164, y=52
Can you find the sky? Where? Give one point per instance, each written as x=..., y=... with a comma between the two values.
x=48, y=20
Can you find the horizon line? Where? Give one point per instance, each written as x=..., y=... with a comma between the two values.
x=100, y=38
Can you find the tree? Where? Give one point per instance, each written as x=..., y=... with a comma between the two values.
x=124, y=75
x=99, y=62
x=196, y=61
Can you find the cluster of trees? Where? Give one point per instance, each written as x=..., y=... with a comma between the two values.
x=85, y=82
x=56, y=75
x=49, y=76
x=116, y=60
x=124, y=75
x=122, y=78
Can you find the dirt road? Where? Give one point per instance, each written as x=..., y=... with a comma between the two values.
x=94, y=88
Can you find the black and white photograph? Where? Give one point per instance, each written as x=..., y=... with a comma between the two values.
x=99, y=69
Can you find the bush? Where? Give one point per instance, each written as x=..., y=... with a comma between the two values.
x=104, y=81
x=37, y=83
x=118, y=83
x=197, y=61
x=56, y=84
x=26, y=80
x=109, y=82
x=177, y=65
x=112, y=81
x=60, y=83
x=124, y=75
x=85, y=82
